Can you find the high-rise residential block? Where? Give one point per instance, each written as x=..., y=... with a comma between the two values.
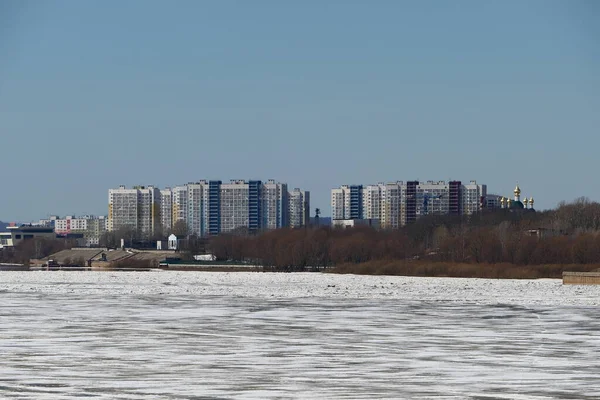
x=166, y=209
x=347, y=202
x=299, y=208
x=137, y=208
x=275, y=205
x=235, y=204
x=209, y=207
x=397, y=203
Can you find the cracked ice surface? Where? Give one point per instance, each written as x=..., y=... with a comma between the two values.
x=186, y=335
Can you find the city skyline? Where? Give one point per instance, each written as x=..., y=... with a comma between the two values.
x=208, y=207
x=170, y=193
x=319, y=93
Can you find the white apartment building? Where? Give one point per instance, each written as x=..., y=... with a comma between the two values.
x=347, y=202
x=211, y=207
x=433, y=198
x=179, y=204
x=372, y=201
x=338, y=203
x=166, y=209
x=390, y=208
x=235, y=201
x=190, y=204
x=473, y=197
x=137, y=208
x=299, y=212
x=92, y=227
x=274, y=199
x=195, y=207
x=398, y=203
x=70, y=224
x=208, y=207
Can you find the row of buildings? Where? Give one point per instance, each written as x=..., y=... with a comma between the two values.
x=208, y=207
x=212, y=207
x=86, y=229
x=396, y=204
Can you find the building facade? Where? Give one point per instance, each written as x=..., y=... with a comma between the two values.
x=209, y=207
x=399, y=203
x=90, y=226
x=137, y=208
x=299, y=208
x=275, y=205
x=166, y=209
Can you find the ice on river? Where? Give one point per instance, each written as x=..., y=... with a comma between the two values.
x=201, y=335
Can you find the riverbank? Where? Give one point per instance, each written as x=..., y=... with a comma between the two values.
x=461, y=270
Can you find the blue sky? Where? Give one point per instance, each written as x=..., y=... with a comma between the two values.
x=94, y=94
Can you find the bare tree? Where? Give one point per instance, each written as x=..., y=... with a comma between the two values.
x=180, y=229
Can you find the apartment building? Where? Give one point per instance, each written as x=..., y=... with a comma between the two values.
x=70, y=224
x=237, y=204
x=399, y=203
x=166, y=209
x=137, y=208
x=96, y=227
x=275, y=205
x=299, y=208
x=347, y=202
x=90, y=226
x=208, y=207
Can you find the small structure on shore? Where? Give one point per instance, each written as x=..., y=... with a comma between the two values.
x=581, y=278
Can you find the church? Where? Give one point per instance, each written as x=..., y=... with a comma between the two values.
x=517, y=204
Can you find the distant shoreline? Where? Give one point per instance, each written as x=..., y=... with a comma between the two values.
x=462, y=270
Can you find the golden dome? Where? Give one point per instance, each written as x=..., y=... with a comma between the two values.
x=508, y=201
x=525, y=201
x=517, y=190
x=531, y=201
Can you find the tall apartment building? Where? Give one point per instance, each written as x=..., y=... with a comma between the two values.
x=382, y=202
x=397, y=203
x=275, y=205
x=347, y=202
x=253, y=205
x=195, y=201
x=179, y=204
x=137, y=208
x=166, y=209
x=212, y=207
x=191, y=203
x=208, y=207
x=473, y=197
x=299, y=208
x=237, y=204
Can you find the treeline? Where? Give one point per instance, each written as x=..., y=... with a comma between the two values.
x=569, y=234
x=36, y=248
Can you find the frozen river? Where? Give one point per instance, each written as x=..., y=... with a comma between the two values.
x=210, y=335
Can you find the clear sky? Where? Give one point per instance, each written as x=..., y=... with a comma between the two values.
x=315, y=93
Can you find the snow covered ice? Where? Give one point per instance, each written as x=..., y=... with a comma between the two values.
x=186, y=335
